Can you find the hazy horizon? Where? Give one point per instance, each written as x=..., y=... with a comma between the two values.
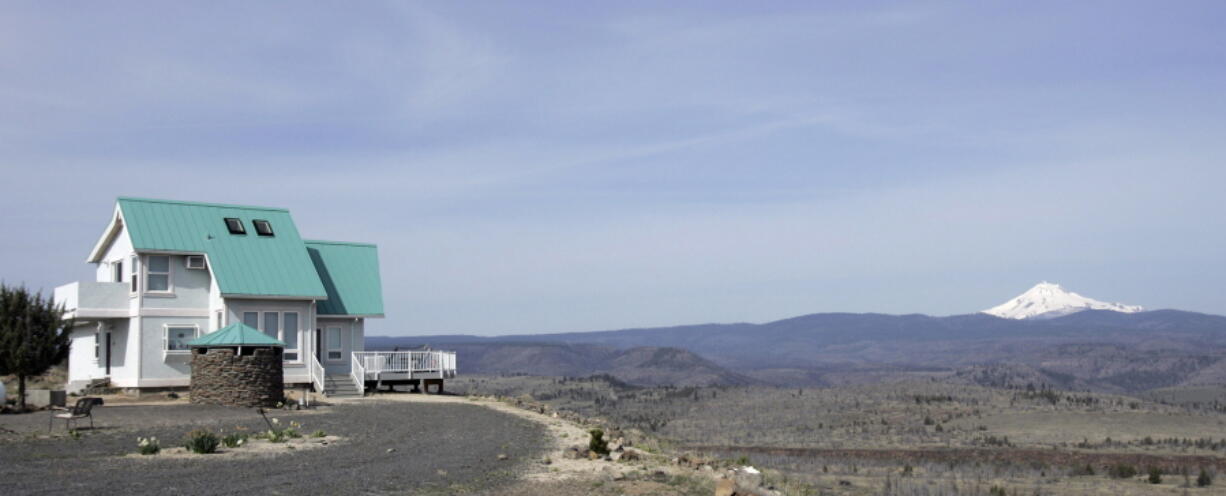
x=554, y=167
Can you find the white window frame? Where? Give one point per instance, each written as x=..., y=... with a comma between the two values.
x=134, y=275
x=340, y=340
x=166, y=337
x=187, y=262
x=117, y=270
x=170, y=278
x=281, y=330
x=297, y=350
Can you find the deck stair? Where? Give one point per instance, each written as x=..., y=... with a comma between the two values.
x=340, y=386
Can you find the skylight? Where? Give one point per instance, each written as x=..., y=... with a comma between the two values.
x=235, y=225
x=262, y=227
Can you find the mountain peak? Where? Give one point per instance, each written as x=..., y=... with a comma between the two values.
x=1047, y=300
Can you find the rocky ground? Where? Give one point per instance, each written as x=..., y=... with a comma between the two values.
x=380, y=447
x=388, y=443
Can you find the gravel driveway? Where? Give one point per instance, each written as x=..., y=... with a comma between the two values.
x=438, y=448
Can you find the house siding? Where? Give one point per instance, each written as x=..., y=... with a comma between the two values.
x=190, y=288
x=157, y=367
x=82, y=366
x=352, y=339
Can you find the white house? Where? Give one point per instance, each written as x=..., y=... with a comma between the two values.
x=170, y=271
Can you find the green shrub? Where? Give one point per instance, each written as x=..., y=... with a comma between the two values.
x=201, y=441
x=1122, y=471
x=1204, y=479
x=598, y=444
x=233, y=440
x=148, y=445
x=1155, y=475
x=318, y=433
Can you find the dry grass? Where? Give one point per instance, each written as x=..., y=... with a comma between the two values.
x=860, y=439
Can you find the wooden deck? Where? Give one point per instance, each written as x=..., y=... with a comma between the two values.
x=381, y=366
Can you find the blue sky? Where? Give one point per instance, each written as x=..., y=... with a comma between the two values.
x=529, y=167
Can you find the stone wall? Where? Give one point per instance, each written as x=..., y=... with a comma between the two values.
x=221, y=378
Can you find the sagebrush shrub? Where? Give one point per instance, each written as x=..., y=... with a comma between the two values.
x=201, y=441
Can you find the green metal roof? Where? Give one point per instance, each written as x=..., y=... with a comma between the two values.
x=236, y=334
x=244, y=265
x=350, y=274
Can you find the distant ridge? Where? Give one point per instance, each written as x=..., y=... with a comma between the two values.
x=1105, y=350
x=1047, y=300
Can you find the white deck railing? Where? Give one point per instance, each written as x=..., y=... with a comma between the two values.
x=317, y=373
x=415, y=364
x=357, y=372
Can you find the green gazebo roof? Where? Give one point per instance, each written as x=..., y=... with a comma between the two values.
x=236, y=334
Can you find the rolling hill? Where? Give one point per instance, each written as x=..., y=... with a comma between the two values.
x=1092, y=349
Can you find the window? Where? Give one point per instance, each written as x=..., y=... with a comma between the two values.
x=220, y=320
x=176, y=338
x=262, y=227
x=97, y=343
x=334, y=343
x=271, y=325
x=235, y=225
x=157, y=274
x=133, y=276
x=117, y=270
x=289, y=334
x=195, y=262
x=280, y=325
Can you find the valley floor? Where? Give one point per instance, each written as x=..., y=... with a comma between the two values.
x=908, y=438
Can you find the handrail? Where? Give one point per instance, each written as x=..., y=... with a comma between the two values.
x=317, y=373
x=427, y=363
x=358, y=373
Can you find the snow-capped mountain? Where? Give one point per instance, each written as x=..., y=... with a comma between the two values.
x=1047, y=300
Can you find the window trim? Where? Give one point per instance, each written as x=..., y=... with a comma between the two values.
x=166, y=337
x=242, y=229
x=134, y=275
x=257, y=319
x=187, y=262
x=261, y=316
x=340, y=340
x=256, y=223
x=297, y=350
x=170, y=278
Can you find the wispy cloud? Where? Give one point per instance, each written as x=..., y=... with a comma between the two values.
x=571, y=166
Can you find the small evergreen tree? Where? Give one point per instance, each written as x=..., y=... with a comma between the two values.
x=598, y=444
x=1204, y=479
x=33, y=335
x=1155, y=475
